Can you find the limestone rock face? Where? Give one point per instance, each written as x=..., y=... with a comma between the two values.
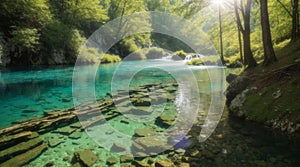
x=236, y=86
x=236, y=105
x=86, y=157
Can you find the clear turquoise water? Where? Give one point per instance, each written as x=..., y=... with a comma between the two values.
x=41, y=89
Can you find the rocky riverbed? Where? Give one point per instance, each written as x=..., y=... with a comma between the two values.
x=59, y=139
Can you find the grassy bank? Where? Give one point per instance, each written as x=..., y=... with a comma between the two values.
x=276, y=101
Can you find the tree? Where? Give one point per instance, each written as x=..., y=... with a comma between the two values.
x=86, y=15
x=245, y=30
x=21, y=22
x=295, y=17
x=295, y=20
x=269, y=54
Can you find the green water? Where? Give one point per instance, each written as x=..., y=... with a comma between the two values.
x=234, y=143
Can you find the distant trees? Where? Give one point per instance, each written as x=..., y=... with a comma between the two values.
x=51, y=31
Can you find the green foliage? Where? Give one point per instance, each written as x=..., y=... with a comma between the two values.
x=155, y=53
x=88, y=55
x=196, y=61
x=25, y=37
x=234, y=61
x=79, y=13
x=179, y=55
x=45, y=26
x=138, y=55
x=110, y=58
x=58, y=36
x=23, y=13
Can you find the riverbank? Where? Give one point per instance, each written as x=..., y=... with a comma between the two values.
x=269, y=95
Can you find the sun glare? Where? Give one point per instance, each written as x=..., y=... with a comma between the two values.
x=218, y=2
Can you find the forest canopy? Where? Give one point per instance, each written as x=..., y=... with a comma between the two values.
x=34, y=32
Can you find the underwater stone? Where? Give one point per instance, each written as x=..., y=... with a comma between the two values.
x=149, y=145
x=11, y=140
x=165, y=120
x=144, y=132
x=25, y=157
x=67, y=130
x=66, y=99
x=124, y=158
x=19, y=148
x=164, y=163
x=86, y=157
x=75, y=135
x=117, y=147
x=31, y=110
x=112, y=160
x=140, y=163
x=76, y=125
x=184, y=164
x=141, y=102
x=54, y=141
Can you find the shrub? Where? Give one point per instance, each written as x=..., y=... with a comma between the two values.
x=197, y=61
x=234, y=61
x=155, y=53
x=110, y=58
x=179, y=55
x=88, y=55
x=138, y=55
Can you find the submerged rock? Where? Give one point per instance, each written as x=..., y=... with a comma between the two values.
x=117, y=147
x=86, y=157
x=165, y=120
x=54, y=141
x=149, y=145
x=75, y=135
x=67, y=130
x=140, y=164
x=24, y=158
x=124, y=158
x=66, y=99
x=164, y=163
x=31, y=110
x=141, y=102
x=19, y=148
x=112, y=160
x=144, y=132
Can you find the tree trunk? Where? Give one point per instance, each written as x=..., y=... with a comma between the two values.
x=221, y=37
x=269, y=54
x=248, y=55
x=295, y=20
x=240, y=45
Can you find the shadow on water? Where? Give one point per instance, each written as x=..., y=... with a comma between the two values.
x=237, y=142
